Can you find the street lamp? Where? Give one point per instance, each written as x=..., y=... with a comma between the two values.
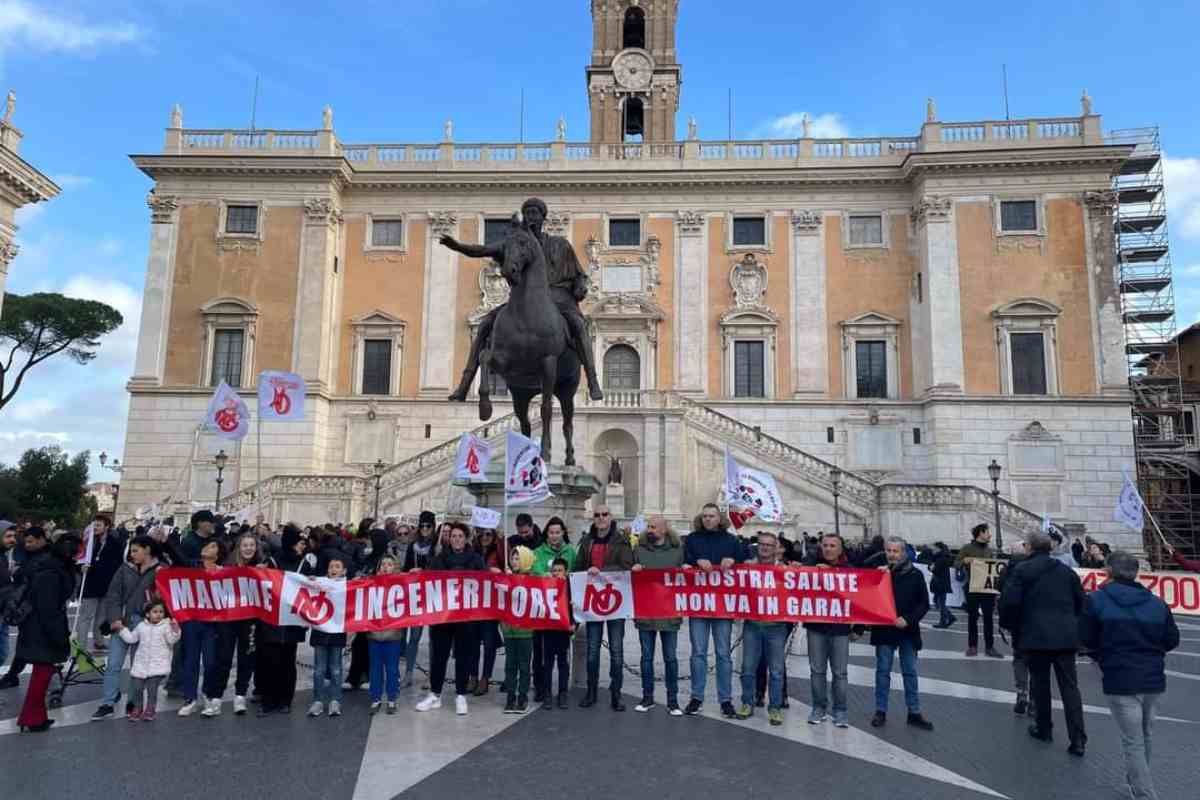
x=835, y=477
x=116, y=467
x=378, y=472
x=994, y=473
x=220, y=460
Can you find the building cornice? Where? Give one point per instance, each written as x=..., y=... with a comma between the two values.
x=24, y=182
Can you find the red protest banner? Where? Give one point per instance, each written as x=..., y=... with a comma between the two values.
x=1179, y=590
x=221, y=595
x=767, y=594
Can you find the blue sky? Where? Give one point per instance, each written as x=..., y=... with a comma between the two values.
x=95, y=82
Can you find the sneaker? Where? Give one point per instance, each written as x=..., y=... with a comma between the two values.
x=103, y=712
x=510, y=706
x=430, y=703
x=919, y=721
x=239, y=705
x=212, y=708
x=841, y=720
x=316, y=709
x=693, y=707
x=728, y=710
x=775, y=716
x=187, y=709
x=375, y=706
x=148, y=715
x=128, y=707
x=548, y=703
x=674, y=710
x=972, y=652
x=816, y=716
x=335, y=709
x=460, y=705
x=745, y=712
x=134, y=716
x=522, y=705
x=646, y=704
x=391, y=706
x=879, y=720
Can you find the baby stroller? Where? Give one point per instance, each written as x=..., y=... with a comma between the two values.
x=80, y=669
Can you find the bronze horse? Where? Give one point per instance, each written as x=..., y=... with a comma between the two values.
x=530, y=346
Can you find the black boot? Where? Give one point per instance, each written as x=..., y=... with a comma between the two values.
x=562, y=700
x=617, y=705
x=589, y=699
x=510, y=707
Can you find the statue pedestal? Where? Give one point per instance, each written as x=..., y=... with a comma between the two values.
x=571, y=487
x=614, y=498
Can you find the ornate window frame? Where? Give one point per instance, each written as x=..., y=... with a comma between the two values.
x=630, y=319
x=1027, y=315
x=228, y=313
x=871, y=326
x=749, y=325
x=767, y=246
x=372, y=218
x=227, y=240
x=377, y=325
x=1037, y=199
x=885, y=242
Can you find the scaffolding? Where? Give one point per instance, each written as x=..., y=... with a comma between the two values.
x=1148, y=311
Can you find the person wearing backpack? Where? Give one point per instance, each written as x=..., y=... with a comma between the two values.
x=40, y=609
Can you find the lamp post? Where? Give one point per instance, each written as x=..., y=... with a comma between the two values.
x=378, y=472
x=116, y=467
x=994, y=473
x=220, y=460
x=835, y=477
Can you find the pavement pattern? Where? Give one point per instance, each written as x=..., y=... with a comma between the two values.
x=978, y=749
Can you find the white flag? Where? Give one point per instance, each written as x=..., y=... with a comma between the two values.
x=474, y=455
x=1129, y=508
x=525, y=479
x=750, y=493
x=228, y=417
x=484, y=518
x=83, y=556
x=280, y=396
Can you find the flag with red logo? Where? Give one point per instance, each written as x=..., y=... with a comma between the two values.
x=525, y=478
x=228, y=416
x=280, y=396
x=474, y=455
x=751, y=494
x=83, y=555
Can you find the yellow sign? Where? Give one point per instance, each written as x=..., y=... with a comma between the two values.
x=985, y=575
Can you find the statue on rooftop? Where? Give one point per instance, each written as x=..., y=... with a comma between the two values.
x=10, y=105
x=930, y=110
x=692, y=133
x=177, y=116
x=449, y=131
x=561, y=130
x=1085, y=101
x=327, y=118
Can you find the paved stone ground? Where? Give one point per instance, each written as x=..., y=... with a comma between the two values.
x=979, y=748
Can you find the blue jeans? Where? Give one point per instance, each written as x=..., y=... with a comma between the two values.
x=827, y=651
x=616, y=652
x=722, y=630
x=199, y=643
x=385, y=664
x=327, y=673
x=1134, y=715
x=670, y=645
x=884, y=655
x=758, y=640
x=117, y=650
x=410, y=642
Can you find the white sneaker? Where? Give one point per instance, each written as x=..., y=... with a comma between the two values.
x=187, y=709
x=239, y=705
x=460, y=705
x=335, y=708
x=316, y=709
x=430, y=703
x=212, y=708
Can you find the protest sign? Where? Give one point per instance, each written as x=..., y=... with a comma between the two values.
x=985, y=575
x=1179, y=590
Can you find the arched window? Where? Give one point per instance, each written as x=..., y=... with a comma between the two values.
x=622, y=368
x=635, y=123
x=634, y=30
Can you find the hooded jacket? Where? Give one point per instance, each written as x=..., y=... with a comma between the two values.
x=128, y=594
x=662, y=555
x=544, y=556
x=1041, y=603
x=154, y=646
x=1130, y=631
x=524, y=564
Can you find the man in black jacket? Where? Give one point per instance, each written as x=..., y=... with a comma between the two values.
x=108, y=553
x=912, y=604
x=1041, y=603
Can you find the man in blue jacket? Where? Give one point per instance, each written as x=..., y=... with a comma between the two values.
x=1130, y=632
x=711, y=546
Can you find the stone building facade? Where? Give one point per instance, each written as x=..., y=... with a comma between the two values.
x=906, y=308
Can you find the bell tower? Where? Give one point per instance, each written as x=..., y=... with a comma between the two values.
x=633, y=79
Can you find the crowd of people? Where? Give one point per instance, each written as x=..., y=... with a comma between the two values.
x=1041, y=603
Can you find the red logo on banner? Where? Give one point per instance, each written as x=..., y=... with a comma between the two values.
x=601, y=602
x=227, y=418
x=472, y=462
x=314, y=608
x=281, y=403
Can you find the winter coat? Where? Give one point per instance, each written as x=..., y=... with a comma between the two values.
x=939, y=572
x=447, y=560
x=286, y=634
x=6, y=578
x=1041, y=603
x=912, y=602
x=418, y=555
x=713, y=546
x=663, y=555
x=154, y=644
x=533, y=542
x=619, y=557
x=44, y=636
x=545, y=555
x=107, y=558
x=1130, y=631
x=128, y=594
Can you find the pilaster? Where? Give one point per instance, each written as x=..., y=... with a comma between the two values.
x=150, y=361
x=941, y=311
x=810, y=332
x=315, y=293
x=438, y=323
x=1108, y=331
x=691, y=302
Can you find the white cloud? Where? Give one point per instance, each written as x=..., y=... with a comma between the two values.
x=791, y=126
x=34, y=439
x=26, y=411
x=69, y=181
x=1182, y=176
x=21, y=23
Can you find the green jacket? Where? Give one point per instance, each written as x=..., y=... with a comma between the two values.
x=512, y=631
x=973, y=550
x=544, y=556
x=666, y=554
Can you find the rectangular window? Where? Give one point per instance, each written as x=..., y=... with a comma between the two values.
x=1028, y=363
x=866, y=230
x=241, y=219
x=870, y=359
x=387, y=233
x=495, y=230
x=749, y=370
x=624, y=232
x=749, y=232
x=377, y=366
x=916, y=435
x=227, y=357
x=1018, y=216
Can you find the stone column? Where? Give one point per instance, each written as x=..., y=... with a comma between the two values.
x=439, y=322
x=810, y=329
x=315, y=327
x=1104, y=293
x=150, y=362
x=942, y=351
x=691, y=303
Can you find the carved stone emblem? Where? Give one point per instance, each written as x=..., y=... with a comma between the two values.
x=748, y=279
